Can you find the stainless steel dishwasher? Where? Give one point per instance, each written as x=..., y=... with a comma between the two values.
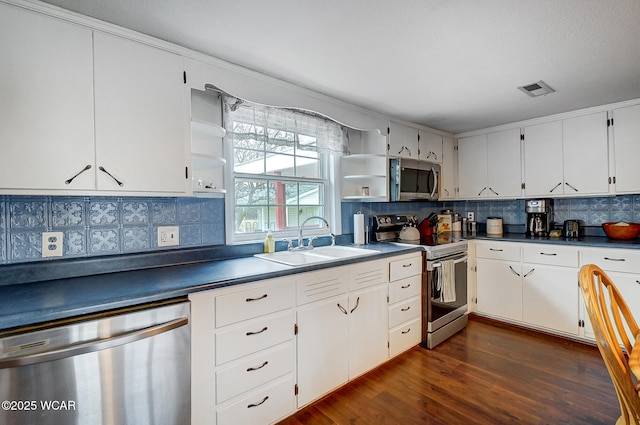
x=130, y=366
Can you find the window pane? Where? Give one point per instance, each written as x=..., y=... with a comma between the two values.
x=307, y=167
x=248, y=161
x=283, y=193
x=251, y=192
x=280, y=165
x=310, y=194
x=307, y=143
x=280, y=141
x=251, y=219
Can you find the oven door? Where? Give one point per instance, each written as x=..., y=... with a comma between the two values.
x=445, y=294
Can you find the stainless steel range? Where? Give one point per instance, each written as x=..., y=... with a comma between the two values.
x=444, y=284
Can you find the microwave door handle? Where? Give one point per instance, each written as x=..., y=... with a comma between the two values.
x=435, y=181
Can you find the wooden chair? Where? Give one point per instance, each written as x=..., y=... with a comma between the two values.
x=616, y=334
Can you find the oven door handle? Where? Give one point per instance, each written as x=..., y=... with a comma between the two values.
x=456, y=261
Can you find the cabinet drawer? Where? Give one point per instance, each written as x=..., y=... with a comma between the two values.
x=400, y=269
x=322, y=284
x=550, y=254
x=261, y=407
x=404, y=311
x=255, y=371
x=404, y=337
x=362, y=275
x=498, y=251
x=616, y=260
x=254, y=336
x=254, y=302
x=404, y=288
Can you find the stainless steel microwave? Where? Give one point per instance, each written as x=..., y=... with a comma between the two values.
x=411, y=180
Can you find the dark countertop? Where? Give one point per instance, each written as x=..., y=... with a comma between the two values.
x=45, y=301
x=585, y=241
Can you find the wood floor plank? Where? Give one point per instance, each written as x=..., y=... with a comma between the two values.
x=487, y=374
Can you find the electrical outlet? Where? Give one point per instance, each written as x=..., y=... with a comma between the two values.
x=471, y=216
x=52, y=244
x=168, y=236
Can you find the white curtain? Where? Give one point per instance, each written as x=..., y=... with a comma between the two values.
x=330, y=137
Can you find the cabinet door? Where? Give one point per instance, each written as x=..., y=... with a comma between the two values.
x=499, y=288
x=141, y=126
x=430, y=147
x=585, y=154
x=46, y=102
x=449, y=171
x=626, y=149
x=550, y=297
x=323, y=344
x=403, y=141
x=472, y=167
x=504, y=167
x=368, y=329
x=543, y=159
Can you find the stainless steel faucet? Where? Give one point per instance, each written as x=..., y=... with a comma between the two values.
x=310, y=244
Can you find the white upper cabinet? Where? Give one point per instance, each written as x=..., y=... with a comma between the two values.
x=449, y=172
x=626, y=149
x=504, y=164
x=472, y=167
x=567, y=157
x=429, y=147
x=46, y=102
x=585, y=154
x=543, y=159
x=490, y=165
x=141, y=126
x=403, y=141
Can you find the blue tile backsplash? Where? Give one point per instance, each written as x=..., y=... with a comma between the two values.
x=104, y=225
x=592, y=211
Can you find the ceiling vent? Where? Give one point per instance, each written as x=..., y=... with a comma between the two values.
x=536, y=89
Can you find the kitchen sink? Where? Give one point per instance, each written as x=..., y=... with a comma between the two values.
x=322, y=254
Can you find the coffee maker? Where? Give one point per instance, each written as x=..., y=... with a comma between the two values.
x=539, y=216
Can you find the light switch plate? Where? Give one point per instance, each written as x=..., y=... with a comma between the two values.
x=52, y=244
x=168, y=236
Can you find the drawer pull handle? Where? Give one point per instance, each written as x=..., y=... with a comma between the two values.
x=257, y=332
x=548, y=253
x=405, y=286
x=405, y=309
x=258, y=403
x=406, y=332
x=614, y=259
x=342, y=309
x=251, y=369
x=357, y=304
x=256, y=299
x=496, y=249
x=407, y=265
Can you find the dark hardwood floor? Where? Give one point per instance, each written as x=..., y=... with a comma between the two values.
x=487, y=374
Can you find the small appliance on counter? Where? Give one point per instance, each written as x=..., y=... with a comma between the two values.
x=539, y=216
x=572, y=229
x=494, y=226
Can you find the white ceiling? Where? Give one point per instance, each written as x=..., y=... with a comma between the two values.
x=453, y=65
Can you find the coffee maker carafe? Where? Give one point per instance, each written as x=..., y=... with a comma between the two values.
x=539, y=217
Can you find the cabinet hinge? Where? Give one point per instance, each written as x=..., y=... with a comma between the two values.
x=581, y=323
x=614, y=179
x=295, y=329
x=418, y=137
x=610, y=122
x=388, y=344
x=388, y=147
x=522, y=185
x=184, y=76
x=387, y=299
x=388, y=130
x=295, y=389
x=186, y=173
x=522, y=137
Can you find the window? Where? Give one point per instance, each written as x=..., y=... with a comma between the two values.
x=280, y=163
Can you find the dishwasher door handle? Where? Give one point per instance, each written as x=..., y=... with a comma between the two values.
x=92, y=346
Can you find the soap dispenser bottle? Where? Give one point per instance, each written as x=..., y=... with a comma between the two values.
x=269, y=243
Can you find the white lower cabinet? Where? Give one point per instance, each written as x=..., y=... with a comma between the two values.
x=623, y=267
x=262, y=350
x=531, y=284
